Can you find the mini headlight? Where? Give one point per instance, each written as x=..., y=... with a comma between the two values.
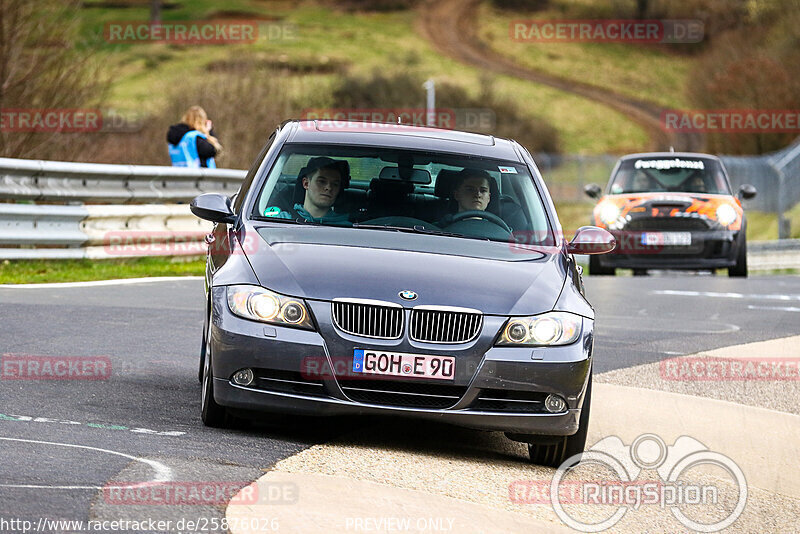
x=726, y=214
x=608, y=212
x=259, y=304
x=547, y=329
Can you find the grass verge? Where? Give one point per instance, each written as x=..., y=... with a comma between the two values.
x=43, y=271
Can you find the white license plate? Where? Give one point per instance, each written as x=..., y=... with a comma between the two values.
x=668, y=239
x=375, y=362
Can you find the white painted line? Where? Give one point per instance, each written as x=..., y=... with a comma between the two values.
x=664, y=326
x=774, y=308
x=93, y=283
x=162, y=472
x=726, y=295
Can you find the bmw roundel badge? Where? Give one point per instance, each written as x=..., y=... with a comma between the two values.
x=407, y=295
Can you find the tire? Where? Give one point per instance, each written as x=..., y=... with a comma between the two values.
x=552, y=451
x=640, y=272
x=740, y=269
x=202, y=360
x=213, y=414
x=596, y=269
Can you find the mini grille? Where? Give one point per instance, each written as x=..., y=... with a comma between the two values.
x=662, y=224
x=369, y=320
x=437, y=326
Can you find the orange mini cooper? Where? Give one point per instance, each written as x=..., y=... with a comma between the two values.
x=671, y=210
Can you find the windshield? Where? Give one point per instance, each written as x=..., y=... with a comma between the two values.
x=657, y=175
x=407, y=191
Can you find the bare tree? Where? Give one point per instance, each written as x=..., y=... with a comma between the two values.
x=41, y=68
x=155, y=11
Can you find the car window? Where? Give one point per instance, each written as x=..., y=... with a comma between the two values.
x=404, y=189
x=657, y=175
x=251, y=174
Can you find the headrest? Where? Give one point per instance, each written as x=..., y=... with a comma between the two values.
x=444, y=183
x=390, y=188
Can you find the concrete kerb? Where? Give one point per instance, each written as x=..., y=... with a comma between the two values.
x=762, y=442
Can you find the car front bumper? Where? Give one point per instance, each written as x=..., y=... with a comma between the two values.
x=301, y=372
x=709, y=250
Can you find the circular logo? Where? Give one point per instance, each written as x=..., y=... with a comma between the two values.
x=407, y=368
x=407, y=295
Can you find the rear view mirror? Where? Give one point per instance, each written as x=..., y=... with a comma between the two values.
x=406, y=174
x=747, y=191
x=213, y=207
x=591, y=240
x=593, y=190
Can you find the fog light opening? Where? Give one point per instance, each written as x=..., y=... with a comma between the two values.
x=243, y=377
x=555, y=404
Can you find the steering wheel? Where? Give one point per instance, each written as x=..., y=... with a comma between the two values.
x=487, y=215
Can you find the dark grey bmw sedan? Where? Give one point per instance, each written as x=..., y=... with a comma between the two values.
x=369, y=268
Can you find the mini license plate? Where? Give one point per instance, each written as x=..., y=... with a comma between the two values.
x=668, y=239
x=374, y=362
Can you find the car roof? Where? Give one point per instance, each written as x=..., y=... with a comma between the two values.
x=402, y=136
x=668, y=155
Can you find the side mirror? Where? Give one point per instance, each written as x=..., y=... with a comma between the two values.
x=747, y=191
x=591, y=240
x=592, y=190
x=213, y=207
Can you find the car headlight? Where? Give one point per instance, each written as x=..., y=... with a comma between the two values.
x=259, y=304
x=726, y=214
x=548, y=329
x=608, y=212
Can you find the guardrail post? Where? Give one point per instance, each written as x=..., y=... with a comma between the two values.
x=784, y=230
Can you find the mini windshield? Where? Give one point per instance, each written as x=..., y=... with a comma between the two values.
x=401, y=190
x=656, y=175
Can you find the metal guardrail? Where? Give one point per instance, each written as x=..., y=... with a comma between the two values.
x=61, y=181
x=99, y=231
x=773, y=255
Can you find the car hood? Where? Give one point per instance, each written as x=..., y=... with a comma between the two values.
x=378, y=265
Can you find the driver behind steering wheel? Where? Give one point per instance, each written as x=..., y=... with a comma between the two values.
x=471, y=192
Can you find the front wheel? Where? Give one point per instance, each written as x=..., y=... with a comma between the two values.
x=552, y=453
x=213, y=414
x=596, y=269
x=740, y=269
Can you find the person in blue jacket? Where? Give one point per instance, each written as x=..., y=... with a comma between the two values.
x=191, y=143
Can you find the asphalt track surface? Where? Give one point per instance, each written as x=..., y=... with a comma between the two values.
x=63, y=440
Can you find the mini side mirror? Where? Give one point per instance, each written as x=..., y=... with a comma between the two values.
x=213, y=207
x=591, y=240
x=747, y=191
x=592, y=190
